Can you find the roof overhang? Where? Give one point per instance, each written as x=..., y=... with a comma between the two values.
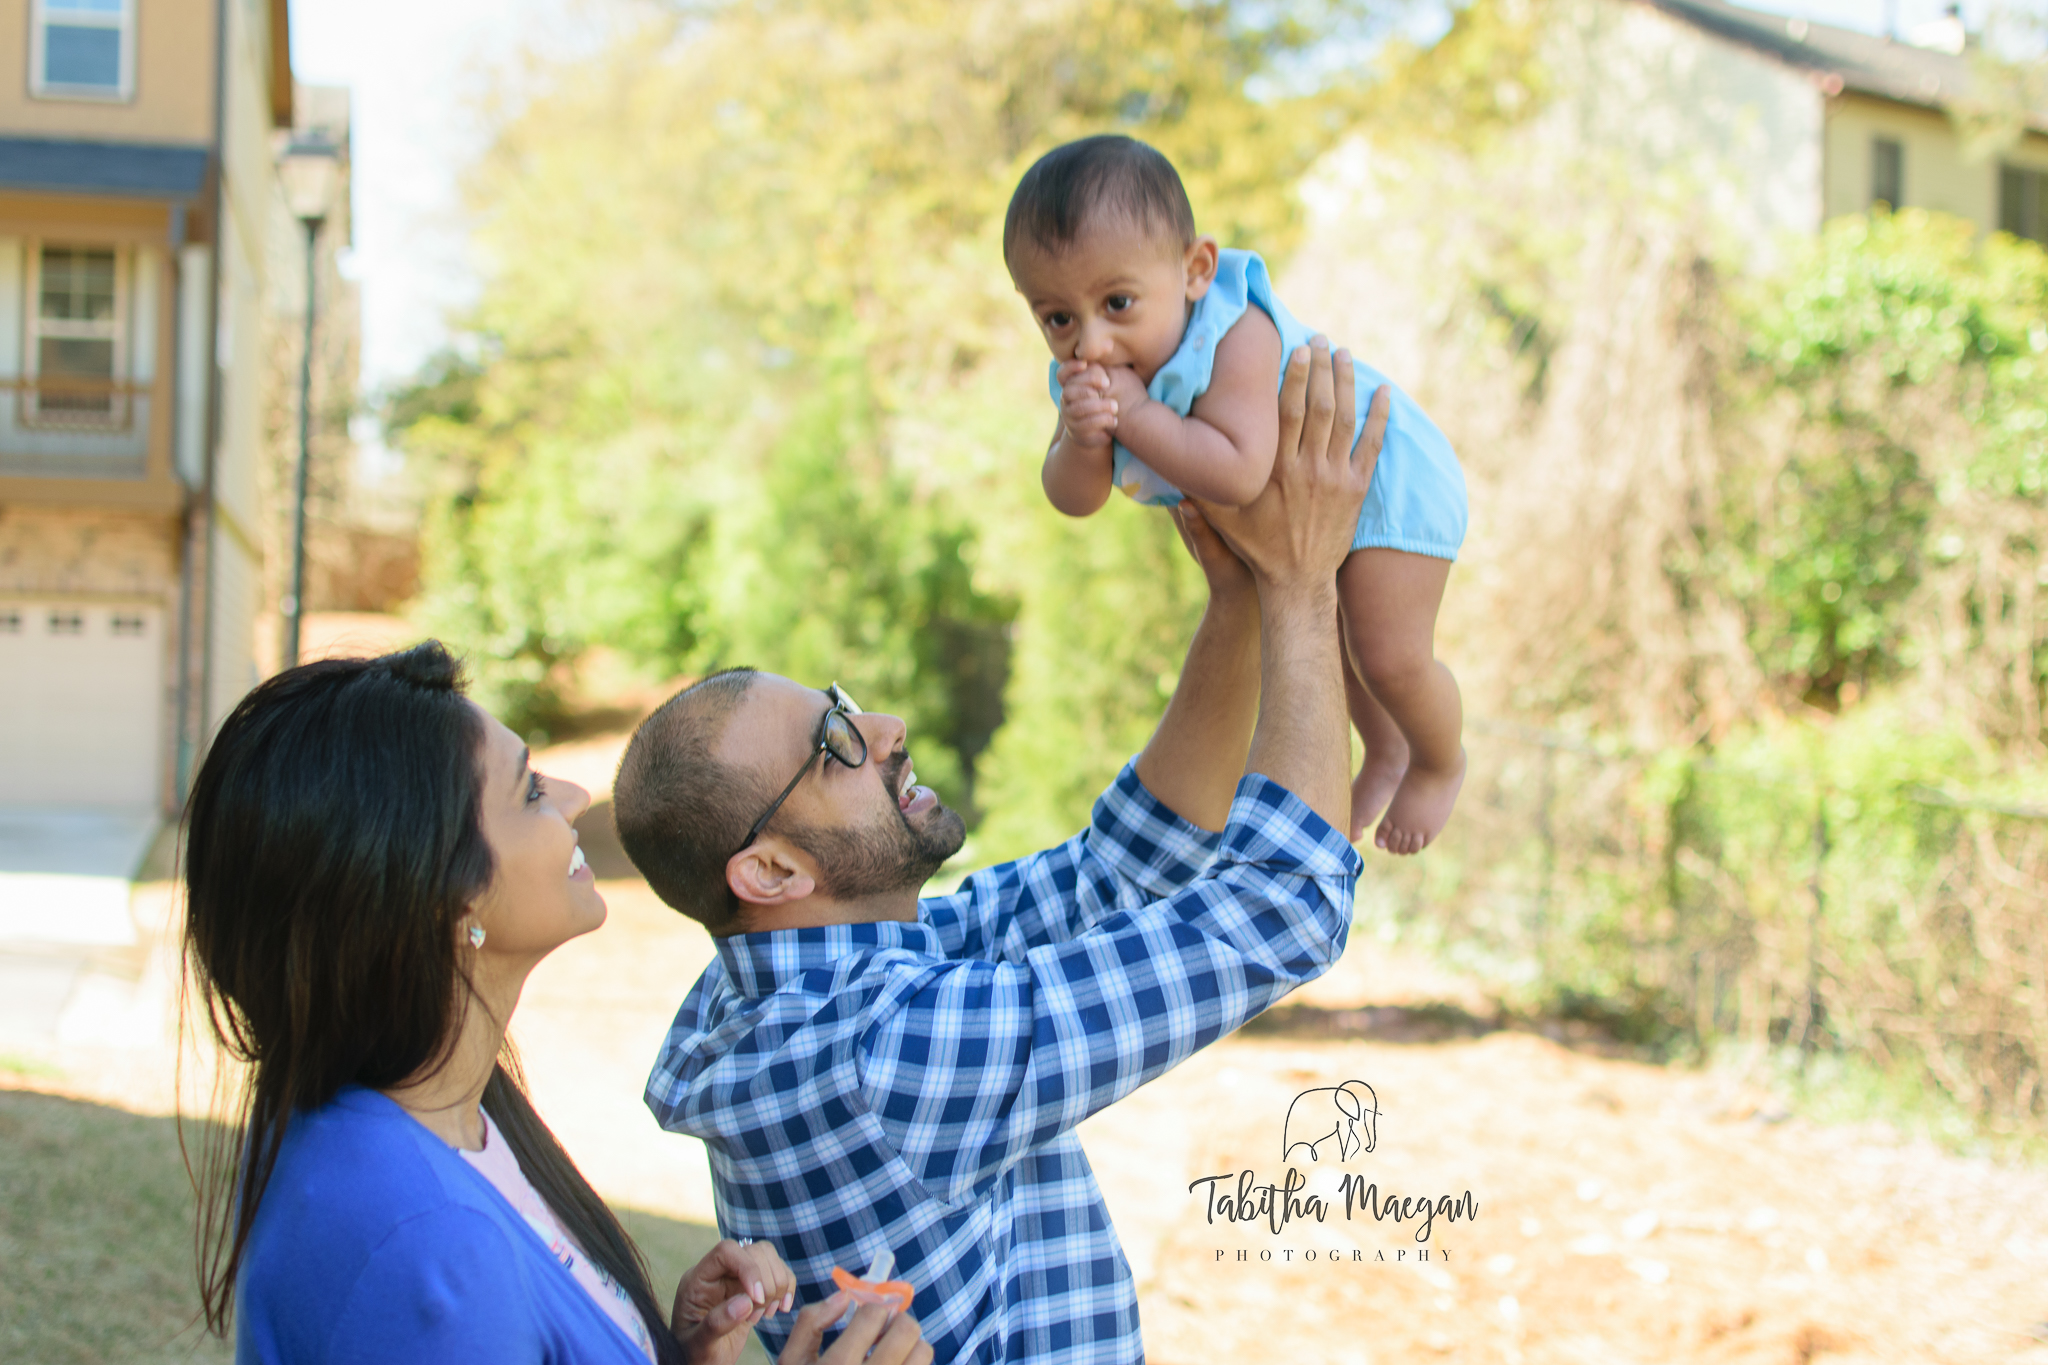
x=1839, y=59
x=129, y=170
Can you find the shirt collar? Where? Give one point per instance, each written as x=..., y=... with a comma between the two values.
x=762, y=963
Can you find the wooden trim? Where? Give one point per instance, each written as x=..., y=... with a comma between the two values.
x=84, y=231
x=280, y=64
x=161, y=601
x=131, y=495
x=159, y=459
x=120, y=388
x=115, y=221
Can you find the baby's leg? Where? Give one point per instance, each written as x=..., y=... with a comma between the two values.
x=1389, y=602
x=1386, y=748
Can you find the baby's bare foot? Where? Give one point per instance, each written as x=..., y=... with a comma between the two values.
x=1374, y=786
x=1421, y=807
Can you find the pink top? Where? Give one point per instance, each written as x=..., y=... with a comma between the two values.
x=497, y=1165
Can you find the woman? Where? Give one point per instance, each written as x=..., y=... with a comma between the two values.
x=373, y=869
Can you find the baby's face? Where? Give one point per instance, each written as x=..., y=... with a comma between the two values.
x=1118, y=294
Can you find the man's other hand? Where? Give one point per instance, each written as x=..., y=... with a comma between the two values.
x=875, y=1336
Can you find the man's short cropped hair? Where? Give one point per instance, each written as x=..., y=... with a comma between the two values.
x=681, y=812
x=1072, y=186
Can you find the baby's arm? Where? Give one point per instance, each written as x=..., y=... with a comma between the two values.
x=1222, y=451
x=1078, y=464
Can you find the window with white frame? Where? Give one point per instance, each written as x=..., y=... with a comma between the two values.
x=75, y=330
x=82, y=49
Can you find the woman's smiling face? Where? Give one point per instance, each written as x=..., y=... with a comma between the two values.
x=542, y=893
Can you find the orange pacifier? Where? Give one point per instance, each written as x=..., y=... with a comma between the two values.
x=875, y=1287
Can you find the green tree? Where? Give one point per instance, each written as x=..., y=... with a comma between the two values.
x=1904, y=525
x=752, y=383
x=838, y=571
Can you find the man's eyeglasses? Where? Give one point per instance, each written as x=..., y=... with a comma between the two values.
x=838, y=737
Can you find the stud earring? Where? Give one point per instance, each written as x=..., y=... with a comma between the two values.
x=476, y=935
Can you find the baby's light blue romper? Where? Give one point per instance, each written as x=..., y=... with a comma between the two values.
x=1417, y=499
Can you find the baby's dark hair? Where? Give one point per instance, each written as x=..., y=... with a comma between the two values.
x=1071, y=186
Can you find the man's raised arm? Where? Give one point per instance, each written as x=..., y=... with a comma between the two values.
x=1196, y=756
x=977, y=1063
x=1264, y=617
x=1193, y=761
x=1293, y=537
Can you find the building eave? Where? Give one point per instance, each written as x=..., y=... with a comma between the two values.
x=126, y=170
x=1838, y=60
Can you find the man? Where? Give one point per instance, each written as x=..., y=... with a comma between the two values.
x=874, y=1073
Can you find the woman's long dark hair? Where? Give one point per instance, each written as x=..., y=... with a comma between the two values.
x=333, y=849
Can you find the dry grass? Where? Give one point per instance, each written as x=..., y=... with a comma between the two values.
x=96, y=1235
x=1627, y=1212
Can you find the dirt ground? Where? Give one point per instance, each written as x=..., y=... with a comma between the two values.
x=1623, y=1212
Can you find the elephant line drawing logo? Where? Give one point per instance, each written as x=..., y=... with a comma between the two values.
x=1349, y=1113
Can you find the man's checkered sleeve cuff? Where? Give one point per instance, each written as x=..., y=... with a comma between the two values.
x=1138, y=838
x=1269, y=824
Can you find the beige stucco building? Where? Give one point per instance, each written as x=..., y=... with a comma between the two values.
x=139, y=211
x=1786, y=123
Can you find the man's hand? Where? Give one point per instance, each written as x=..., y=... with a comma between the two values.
x=1299, y=529
x=728, y=1291
x=1087, y=411
x=875, y=1336
x=1294, y=535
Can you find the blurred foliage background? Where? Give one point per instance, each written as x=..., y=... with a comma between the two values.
x=1750, y=623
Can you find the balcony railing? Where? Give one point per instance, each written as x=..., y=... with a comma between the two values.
x=72, y=427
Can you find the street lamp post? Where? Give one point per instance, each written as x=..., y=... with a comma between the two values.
x=309, y=170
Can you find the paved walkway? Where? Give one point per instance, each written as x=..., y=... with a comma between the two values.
x=86, y=950
x=82, y=956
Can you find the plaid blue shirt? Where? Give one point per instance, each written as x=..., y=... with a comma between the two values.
x=916, y=1086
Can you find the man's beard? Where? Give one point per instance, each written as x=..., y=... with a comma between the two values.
x=854, y=864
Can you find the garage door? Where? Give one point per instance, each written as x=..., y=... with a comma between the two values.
x=81, y=703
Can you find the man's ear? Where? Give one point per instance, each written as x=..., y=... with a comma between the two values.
x=1199, y=265
x=769, y=873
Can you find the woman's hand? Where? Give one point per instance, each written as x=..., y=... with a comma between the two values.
x=873, y=1336
x=724, y=1294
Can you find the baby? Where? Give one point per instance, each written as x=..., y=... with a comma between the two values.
x=1167, y=359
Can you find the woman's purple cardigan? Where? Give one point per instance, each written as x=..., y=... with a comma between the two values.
x=375, y=1241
